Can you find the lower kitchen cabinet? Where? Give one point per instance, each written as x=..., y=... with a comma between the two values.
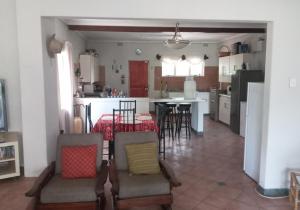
x=224, y=109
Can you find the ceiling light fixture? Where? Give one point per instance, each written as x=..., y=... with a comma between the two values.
x=177, y=42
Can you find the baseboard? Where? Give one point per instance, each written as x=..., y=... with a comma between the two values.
x=197, y=133
x=279, y=192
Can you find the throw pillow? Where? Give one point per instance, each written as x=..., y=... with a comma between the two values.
x=142, y=158
x=79, y=161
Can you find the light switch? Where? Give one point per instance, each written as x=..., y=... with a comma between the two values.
x=293, y=82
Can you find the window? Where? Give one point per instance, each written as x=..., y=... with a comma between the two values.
x=168, y=68
x=65, y=87
x=197, y=69
x=183, y=68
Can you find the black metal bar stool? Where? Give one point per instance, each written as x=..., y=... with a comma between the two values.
x=161, y=118
x=184, y=119
x=171, y=118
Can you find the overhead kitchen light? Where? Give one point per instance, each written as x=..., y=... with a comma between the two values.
x=177, y=42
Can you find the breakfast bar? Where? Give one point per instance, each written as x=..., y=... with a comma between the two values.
x=198, y=107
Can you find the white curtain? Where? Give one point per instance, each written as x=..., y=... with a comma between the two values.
x=65, y=88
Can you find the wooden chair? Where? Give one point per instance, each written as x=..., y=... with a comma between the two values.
x=127, y=104
x=139, y=190
x=53, y=192
x=294, y=190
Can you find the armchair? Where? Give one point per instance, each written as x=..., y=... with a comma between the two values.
x=54, y=192
x=139, y=190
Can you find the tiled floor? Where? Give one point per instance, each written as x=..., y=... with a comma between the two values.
x=210, y=168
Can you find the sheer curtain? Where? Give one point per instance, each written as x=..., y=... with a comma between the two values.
x=65, y=88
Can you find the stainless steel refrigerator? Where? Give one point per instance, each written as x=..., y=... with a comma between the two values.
x=239, y=84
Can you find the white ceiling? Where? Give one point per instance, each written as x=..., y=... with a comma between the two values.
x=154, y=37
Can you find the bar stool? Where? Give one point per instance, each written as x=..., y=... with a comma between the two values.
x=184, y=119
x=156, y=105
x=171, y=118
x=161, y=118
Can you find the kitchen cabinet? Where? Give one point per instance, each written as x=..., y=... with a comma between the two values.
x=204, y=96
x=224, y=108
x=89, y=72
x=214, y=104
x=224, y=69
x=229, y=64
x=236, y=61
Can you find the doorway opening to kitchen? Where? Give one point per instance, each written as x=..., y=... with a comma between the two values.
x=218, y=59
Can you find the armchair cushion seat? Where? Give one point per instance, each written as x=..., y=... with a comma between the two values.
x=60, y=190
x=142, y=185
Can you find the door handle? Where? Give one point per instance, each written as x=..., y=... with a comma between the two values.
x=146, y=88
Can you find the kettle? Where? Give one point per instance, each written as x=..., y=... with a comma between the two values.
x=228, y=90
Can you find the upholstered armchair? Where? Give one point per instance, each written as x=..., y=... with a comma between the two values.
x=139, y=190
x=52, y=191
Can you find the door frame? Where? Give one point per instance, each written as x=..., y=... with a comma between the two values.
x=146, y=61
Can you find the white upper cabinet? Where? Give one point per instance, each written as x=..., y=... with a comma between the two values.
x=236, y=62
x=229, y=64
x=89, y=72
x=224, y=69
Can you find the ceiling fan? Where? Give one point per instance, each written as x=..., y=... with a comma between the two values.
x=177, y=42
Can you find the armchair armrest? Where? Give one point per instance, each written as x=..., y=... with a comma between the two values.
x=113, y=177
x=101, y=178
x=169, y=173
x=41, y=181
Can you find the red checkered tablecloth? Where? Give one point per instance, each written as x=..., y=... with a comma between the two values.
x=105, y=123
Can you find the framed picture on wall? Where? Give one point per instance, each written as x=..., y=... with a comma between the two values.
x=3, y=116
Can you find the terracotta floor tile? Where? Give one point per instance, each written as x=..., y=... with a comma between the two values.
x=236, y=205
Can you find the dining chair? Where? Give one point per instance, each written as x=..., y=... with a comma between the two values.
x=123, y=121
x=127, y=104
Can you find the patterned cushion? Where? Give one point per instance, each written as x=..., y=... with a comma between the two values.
x=124, y=138
x=79, y=161
x=142, y=158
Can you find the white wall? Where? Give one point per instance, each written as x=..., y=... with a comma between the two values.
x=49, y=27
x=110, y=51
x=259, y=57
x=9, y=60
x=281, y=143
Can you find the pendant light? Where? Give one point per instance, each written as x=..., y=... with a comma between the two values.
x=177, y=42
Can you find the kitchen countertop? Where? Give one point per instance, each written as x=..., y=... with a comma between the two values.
x=112, y=98
x=226, y=95
x=176, y=100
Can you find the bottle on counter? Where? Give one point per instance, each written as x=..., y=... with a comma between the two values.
x=161, y=88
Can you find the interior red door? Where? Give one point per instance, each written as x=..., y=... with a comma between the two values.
x=138, y=78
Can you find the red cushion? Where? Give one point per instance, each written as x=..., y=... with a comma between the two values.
x=79, y=161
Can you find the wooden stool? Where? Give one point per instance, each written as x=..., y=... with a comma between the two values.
x=294, y=190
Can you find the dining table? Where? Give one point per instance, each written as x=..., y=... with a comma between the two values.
x=142, y=122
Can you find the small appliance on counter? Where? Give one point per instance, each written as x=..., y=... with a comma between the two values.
x=228, y=90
